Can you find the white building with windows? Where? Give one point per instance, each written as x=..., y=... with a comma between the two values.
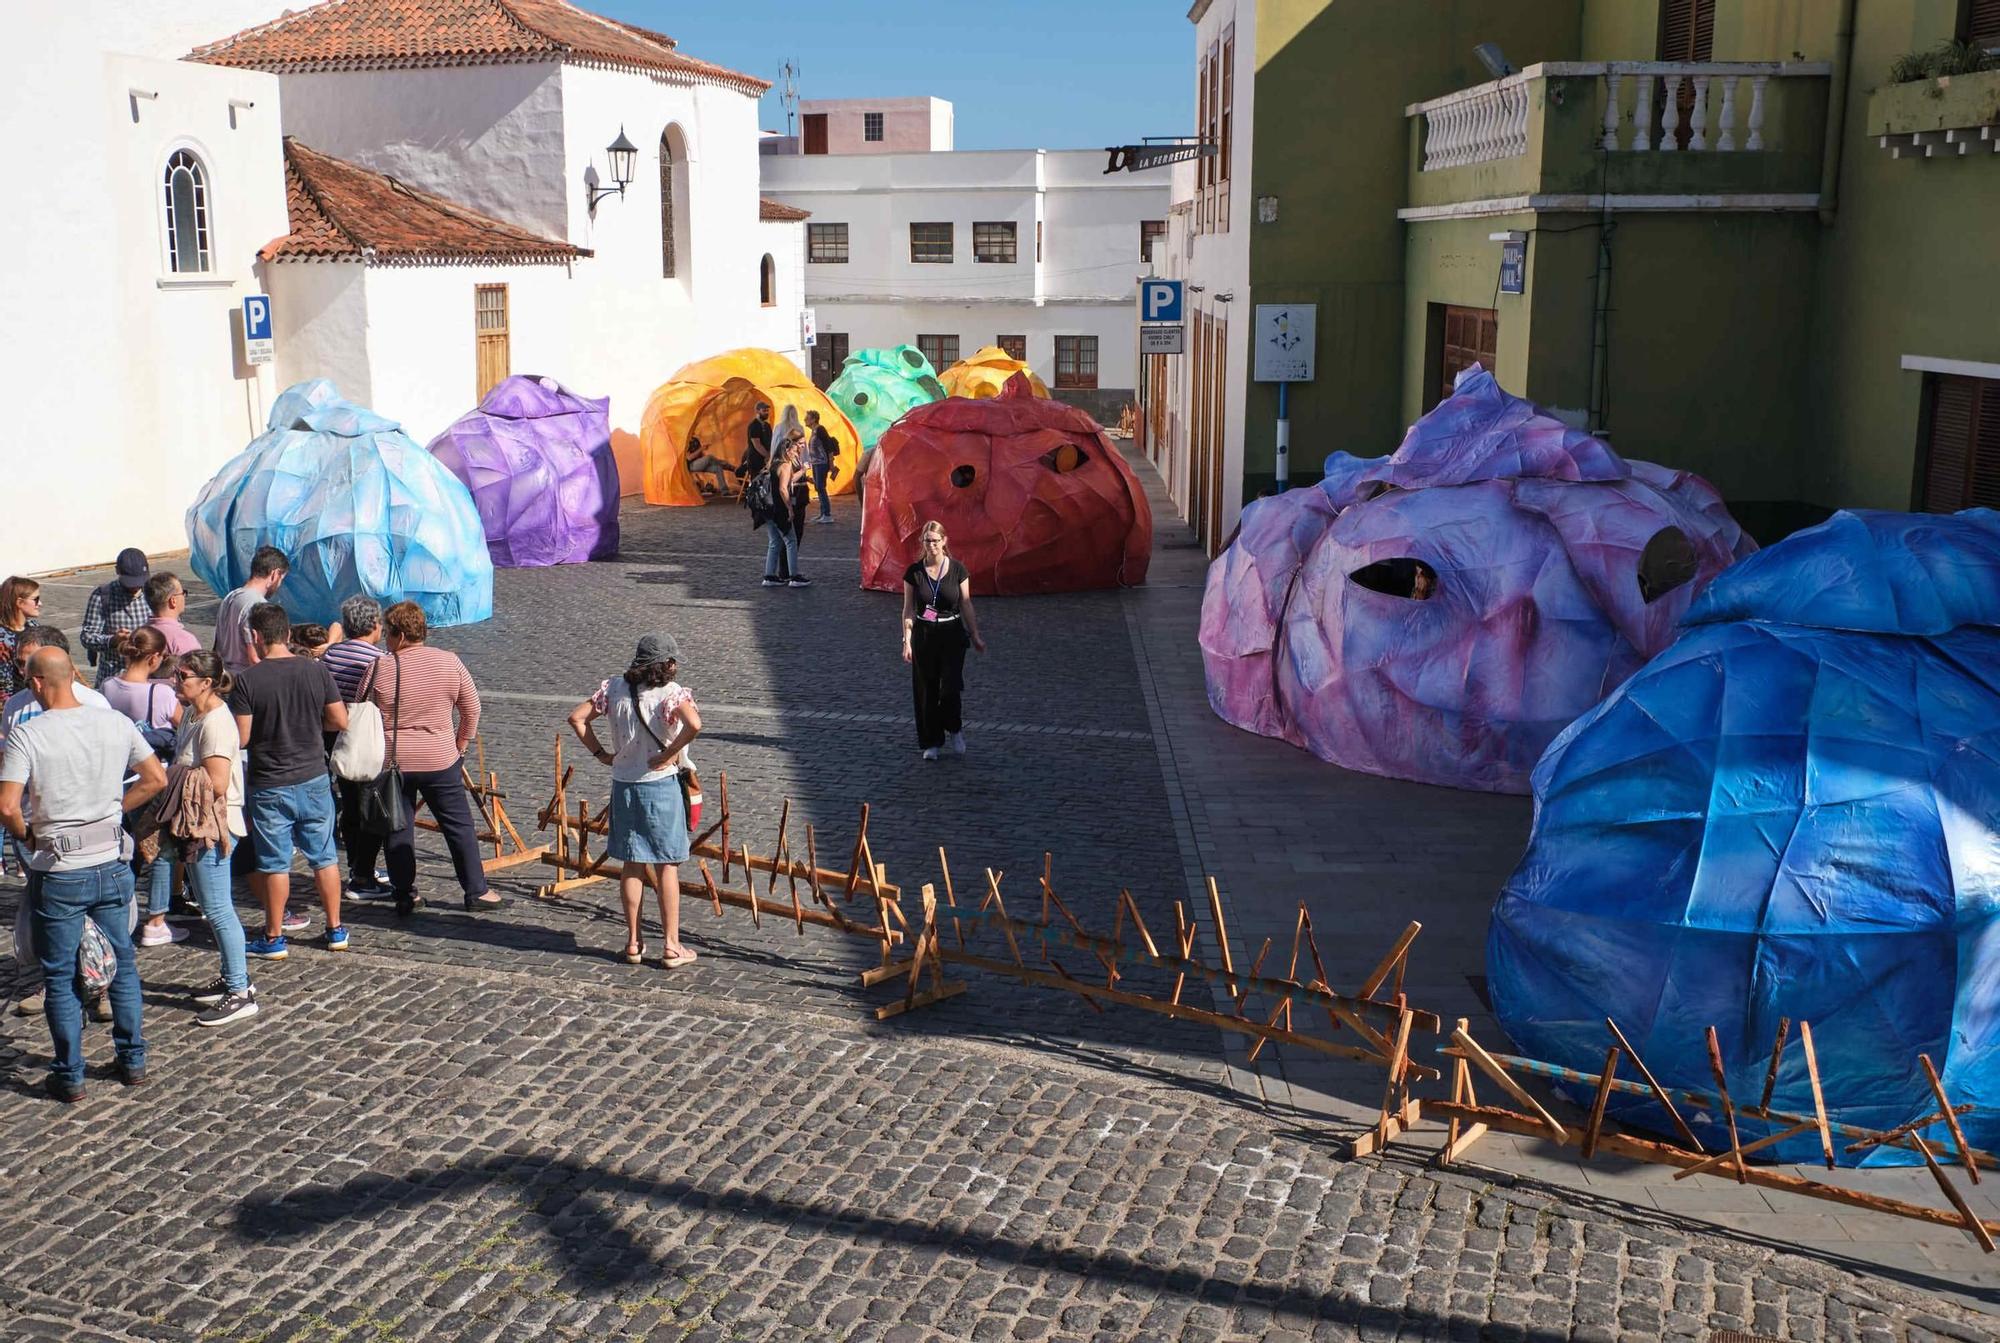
x=425, y=188
x=1034, y=250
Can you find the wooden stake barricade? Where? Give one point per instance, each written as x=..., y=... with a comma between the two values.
x=490, y=801
x=1467, y=1119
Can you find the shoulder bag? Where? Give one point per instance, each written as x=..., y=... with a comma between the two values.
x=690, y=785
x=379, y=805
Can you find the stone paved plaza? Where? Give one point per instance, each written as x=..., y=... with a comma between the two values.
x=489, y=1127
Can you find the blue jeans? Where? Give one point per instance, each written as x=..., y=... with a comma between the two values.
x=294, y=815
x=819, y=483
x=156, y=879
x=208, y=873
x=59, y=902
x=780, y=543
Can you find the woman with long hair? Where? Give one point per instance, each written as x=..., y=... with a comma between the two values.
x=653, y=719
x=208, y=738
x=938, y=625
x=781, y=551
x=155, y=710
x=20, y=605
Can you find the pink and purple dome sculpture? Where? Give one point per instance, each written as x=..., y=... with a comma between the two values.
x=537, y=458
x=1442, y=613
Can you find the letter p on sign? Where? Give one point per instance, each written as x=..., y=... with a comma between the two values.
x=1159, y=300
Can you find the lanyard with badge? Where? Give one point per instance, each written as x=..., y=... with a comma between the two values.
x=937, y=591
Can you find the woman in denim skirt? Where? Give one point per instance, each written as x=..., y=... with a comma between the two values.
x=653, y=718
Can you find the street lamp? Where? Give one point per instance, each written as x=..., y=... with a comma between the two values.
x=622, y=154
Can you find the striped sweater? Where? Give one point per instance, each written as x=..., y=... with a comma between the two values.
x=434, y=683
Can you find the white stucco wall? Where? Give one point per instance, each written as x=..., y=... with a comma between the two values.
x=320, y=322
x=488, y=136
x=977, y=324
x=136, y=395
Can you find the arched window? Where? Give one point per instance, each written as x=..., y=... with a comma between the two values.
x=666, y=205
x=186, y=191
x=767, y=282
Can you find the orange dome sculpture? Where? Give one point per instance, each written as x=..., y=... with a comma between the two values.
x=1031, y=493
x=715, y=399
x=985, y=372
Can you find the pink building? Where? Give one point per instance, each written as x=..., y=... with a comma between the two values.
x=867, y=126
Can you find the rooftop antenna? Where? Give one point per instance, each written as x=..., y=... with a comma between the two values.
x=788, y=92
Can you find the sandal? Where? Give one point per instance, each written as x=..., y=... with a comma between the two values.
x=676, y=962
x=635, y=953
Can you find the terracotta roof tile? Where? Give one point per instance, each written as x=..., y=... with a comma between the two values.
x=778, y=210
x=339, y=211
x=406, y=34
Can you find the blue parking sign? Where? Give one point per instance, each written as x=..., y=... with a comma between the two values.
x=1159, y=300
x=258, y=343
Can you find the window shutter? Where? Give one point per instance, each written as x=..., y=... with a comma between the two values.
x=1985, y=488
x=1982, y=23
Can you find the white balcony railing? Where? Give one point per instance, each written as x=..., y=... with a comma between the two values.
x=1642, y=106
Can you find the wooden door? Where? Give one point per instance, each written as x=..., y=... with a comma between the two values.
x=815, y=125
x=1218, y=429
x=1471, y=336
x=489, y=308
x=1687, y=33
x=829, y=353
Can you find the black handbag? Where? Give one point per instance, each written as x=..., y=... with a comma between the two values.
x=380, y=808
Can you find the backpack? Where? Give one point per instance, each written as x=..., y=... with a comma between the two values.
x=760, y=496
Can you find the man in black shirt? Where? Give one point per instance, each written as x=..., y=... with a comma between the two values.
x=282, y=705
x=757, y=446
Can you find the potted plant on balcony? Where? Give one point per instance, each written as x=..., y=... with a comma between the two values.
x=1951, y=87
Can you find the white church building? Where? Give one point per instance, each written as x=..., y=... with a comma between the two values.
x=433, y=193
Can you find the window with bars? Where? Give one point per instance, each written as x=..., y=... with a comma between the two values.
x=1961, y=444
x=186, y=187
x=871, y=126
x=826, y=244
x=1076, y=362
x=942, y=351
x=994, y=242
x=1015, y=346
x=930, y=242
x=1150, y=229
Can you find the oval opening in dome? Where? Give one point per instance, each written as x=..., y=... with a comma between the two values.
x=913, y=359
x=1667, y=562
x=861, y=398
x=1399, y=577
x=962, y=476
x=1064, y=459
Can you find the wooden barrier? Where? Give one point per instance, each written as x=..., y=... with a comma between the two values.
x=1467, y=1119
x=490, y=801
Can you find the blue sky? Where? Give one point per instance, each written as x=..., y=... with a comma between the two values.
x=1051, y=74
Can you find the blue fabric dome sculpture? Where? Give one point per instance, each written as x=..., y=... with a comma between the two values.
x=356, y=505
x=1793, y=811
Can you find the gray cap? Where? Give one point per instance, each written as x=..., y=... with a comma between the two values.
x=655, y=648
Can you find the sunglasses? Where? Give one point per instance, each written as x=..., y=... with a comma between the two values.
x=189, y=676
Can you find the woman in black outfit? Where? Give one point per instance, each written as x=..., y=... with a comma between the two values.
x=938, y=625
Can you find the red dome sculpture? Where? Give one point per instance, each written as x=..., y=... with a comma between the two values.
x=1031, y=493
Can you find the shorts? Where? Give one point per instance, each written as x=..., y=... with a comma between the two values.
x=298, y=815
x=648, y=822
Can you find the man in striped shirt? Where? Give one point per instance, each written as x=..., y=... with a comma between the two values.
x=349, y=660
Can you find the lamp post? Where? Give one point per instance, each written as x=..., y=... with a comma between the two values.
x=622, y=154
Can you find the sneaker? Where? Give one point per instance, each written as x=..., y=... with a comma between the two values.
x=800, y=582
x=162, y=936
x=211, y=995
x=930, y=752
x=130, y=1075
x=294, y=922
x=266, y=948
x=336, y=939
x=824, y=517
x=230, y=1007
x=771, y=582
x=370, y=894
x=955, y=740
x=100, y=1007
x=64, y=1090
x=30, y=1006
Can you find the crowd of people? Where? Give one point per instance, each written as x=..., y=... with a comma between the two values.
x=142, y=801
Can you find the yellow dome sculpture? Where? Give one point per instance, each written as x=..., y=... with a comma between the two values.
x=984, y=373
x=715, y=399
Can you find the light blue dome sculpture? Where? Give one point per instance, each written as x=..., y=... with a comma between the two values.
x=356, y=505
x=1793, y=811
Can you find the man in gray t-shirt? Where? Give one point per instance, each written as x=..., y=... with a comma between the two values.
x=72, y=762
x=233, y=643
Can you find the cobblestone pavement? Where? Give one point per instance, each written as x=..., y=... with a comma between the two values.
x=489, y=1127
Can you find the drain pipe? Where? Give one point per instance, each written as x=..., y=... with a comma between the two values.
x=1836, y=113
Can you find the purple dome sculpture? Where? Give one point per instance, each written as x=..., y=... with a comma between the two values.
x=537, y=458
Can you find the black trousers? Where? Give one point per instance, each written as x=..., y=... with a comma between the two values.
x=937, y=679
x=443, y=791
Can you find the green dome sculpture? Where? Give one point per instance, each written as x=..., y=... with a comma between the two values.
x=878, y=387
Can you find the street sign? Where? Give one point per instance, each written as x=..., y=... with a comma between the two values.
x=1160, y=339
x=1159, y=300
x=808, y=330
x=259, y=346
x=1283, y=342
x=1514, y=266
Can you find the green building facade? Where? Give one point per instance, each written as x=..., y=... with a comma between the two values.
x=1743, y=249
